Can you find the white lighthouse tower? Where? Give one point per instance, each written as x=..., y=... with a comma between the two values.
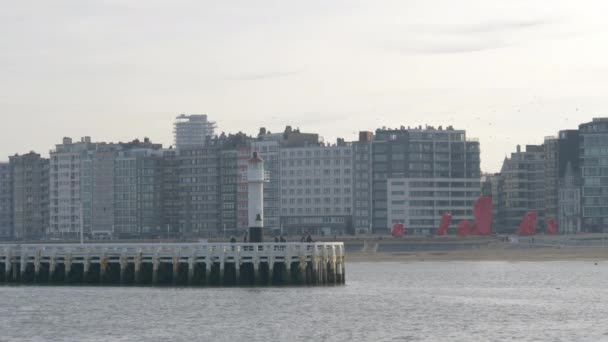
x=255, y=179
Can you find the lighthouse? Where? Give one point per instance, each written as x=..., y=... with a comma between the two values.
x=255, y=180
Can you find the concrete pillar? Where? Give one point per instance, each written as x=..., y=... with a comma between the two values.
x=222, y=270
x=86, y=267
x=22, y=265
x=123, y=268
x=302, y=266
x=323, y=270
x=334, y=279
x=8, y=272
x=190, y=270
x=256, y=271
x=237, y=271
x=7, y=265
x=67, y=263
x=155, y=265
x=103, y=265
x=51, y=267
x=175, y=269
x=14, y=268
x=270, y=270
x=324, y=261
x=287, y=275
x=37, y=266
x=315, y=271
x=343, y=264
x=137, y=267
x=208, y=265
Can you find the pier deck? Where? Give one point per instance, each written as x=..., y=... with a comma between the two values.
x=179, y=264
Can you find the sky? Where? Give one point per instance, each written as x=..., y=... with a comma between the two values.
x=509, y=72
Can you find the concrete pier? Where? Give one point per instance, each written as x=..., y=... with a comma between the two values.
x=179, y=264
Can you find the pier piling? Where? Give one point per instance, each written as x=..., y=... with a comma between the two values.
x=192, y=264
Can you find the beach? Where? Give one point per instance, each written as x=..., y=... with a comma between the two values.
x=579, y=248
x=489, y=253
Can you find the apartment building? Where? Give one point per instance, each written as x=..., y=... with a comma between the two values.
x=316, y=188
x=430, y=153
x=6, y=202
x=30, y=185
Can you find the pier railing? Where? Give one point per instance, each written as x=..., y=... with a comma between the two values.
x=175, y=263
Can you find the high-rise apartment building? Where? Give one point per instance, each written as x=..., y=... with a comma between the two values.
x=594, y=167
x=6, y=202
x=171, y=200
x=199, y=190
x=316, y=188
x=569, y=199
x=421, y=153
x=97, y=189
x=83, y=178
x=551, y=149
x=362, y=183
x=491, y=187
x=30, y=183
x=522, y=187
x=139, y=194
x=66, y=200
x=229, y=174
x=419, y=203
x=569, y=178
x=192, y=130
x=242, y=189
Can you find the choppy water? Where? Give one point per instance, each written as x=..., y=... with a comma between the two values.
x=459, y=301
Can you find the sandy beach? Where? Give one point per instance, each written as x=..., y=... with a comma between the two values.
x=489, y=252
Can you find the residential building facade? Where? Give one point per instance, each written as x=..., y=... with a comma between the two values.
x=419, y=203
x=66, y=202
x=30, y=185
x=594, y=168
x=139, y=194
x=418, y=153
x=199, y=191
x=569, y=210
x=6, y=202
x=97, y=189
x=192, y=130
x=316, y=189
x=551, y=149
x=362, y=183
x=522, y=187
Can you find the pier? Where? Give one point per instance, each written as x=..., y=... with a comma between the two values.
x=176, y=264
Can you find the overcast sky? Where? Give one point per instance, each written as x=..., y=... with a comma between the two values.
x=509, y=72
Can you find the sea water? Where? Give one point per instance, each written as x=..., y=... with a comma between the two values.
x=427, y=301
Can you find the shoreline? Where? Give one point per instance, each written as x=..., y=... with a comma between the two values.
x=487, y=253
